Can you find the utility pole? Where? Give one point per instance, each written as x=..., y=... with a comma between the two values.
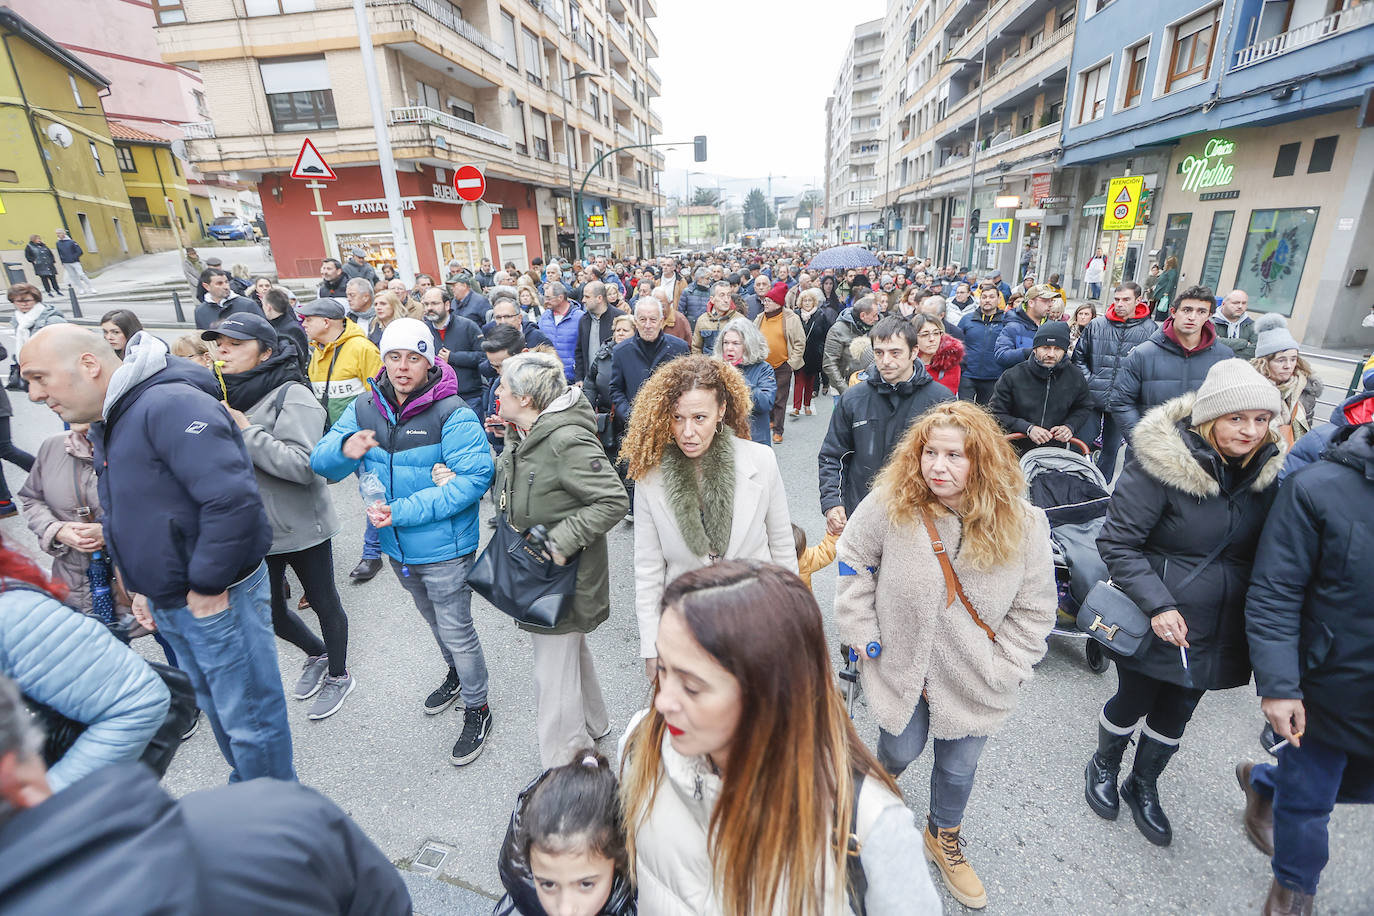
x=575, y=222
x=973, y=152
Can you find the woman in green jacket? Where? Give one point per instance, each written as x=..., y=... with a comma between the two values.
x=1162, y=295
x=554, y=472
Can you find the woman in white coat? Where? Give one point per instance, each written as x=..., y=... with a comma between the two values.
x=704, y=491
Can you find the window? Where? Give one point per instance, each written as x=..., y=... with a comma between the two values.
x=76, y=90
x=142, y=215
x=87, y=233
x=169, y=12
x=125, y=157
x=299, y=96
x=1066, y=16
x=597, y=152
x=540, y=129
x=571, y=147
x=9, y=175
x=1092, y=93
x=202, y=108
x=95, y=154
x=508, y=40
x=1190, y=60
x=119, y=235
x=1136, y=60
x=534, y=57
x=274, y=7
x=460, y=109
x=426, y=95
x=1287, y=162
x=522, y=144
x=1323, y=153
x=510, y=218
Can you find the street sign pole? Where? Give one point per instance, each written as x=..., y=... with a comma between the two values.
x=315, y=188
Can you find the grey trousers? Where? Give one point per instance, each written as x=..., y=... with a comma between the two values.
x=567, y=696
x=441, y=594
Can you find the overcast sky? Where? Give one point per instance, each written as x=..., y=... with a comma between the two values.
x=752, y=75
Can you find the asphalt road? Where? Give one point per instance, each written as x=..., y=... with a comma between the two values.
x=1030, y=835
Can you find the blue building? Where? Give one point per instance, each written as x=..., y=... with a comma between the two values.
x=1247, y=119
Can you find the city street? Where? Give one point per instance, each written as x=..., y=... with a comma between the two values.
x=1033, y=840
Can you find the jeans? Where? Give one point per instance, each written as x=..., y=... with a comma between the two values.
x=1094, y=291
x=1112, y=438
x=49, y=283
x=11, y=453
x=1305, y=785
x=231, y=658
x=314, y=566
x=441, y=594
x=951, y=779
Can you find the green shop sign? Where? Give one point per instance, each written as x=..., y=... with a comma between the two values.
x=1211, y=169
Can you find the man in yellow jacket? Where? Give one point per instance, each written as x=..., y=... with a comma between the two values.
x=343, y=363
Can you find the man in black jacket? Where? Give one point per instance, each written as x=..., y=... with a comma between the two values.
x=1044, y=397
x=458, y=341
x=593, y=328
x=333, y=280
x=1102, y=348
x=634, y=360
x=116, y=841
x=1309, y=621
x=218, y=300
x=871, y=417
x=468, y=302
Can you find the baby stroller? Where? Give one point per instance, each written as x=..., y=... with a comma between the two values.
x=1063, y=481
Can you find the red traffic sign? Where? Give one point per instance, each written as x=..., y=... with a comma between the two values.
x=310, y=164
x=469, y=182
x=1121, y=211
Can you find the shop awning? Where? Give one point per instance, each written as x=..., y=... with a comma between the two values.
x=1096, y=205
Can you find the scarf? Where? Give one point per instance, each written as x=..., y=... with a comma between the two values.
x=23, y=325
x=244, y=389
x=703, y=504
x=1291, y=392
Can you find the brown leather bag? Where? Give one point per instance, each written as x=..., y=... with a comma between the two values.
x=953, y=587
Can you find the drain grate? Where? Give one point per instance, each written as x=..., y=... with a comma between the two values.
x=430, y=858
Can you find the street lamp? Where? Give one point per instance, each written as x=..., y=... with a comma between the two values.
x=982, y=61
x=572, y=188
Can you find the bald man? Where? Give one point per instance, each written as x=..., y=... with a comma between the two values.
x=183, y=522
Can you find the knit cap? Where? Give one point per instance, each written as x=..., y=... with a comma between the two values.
x=1232, y=385
x=778, y=293
x=408, y=334
x=1273, y=335
x=1052, y=334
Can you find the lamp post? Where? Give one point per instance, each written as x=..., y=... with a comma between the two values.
x=572, y=188
x=982, y=61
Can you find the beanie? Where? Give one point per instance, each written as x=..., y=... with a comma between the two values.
x=1273, y=335
x=1232, y=385
x=408, y=334
x=1053, y=334
x=778, y=293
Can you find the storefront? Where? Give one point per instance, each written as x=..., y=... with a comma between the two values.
x=1259, y=209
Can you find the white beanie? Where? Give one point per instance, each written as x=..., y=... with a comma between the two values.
x=1232, y=385
x=408, y=334
x=1273, y=335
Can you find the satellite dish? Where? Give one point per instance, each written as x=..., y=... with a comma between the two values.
x=59, y=134
x=179, y=149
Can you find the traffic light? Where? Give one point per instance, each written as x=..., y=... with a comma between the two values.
x=699, y=148
x=973, y=222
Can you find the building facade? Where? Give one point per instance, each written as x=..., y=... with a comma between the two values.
x=57, y=159
x=853, y=131
x=167, y=215
x=699, y=227
x=534, y=93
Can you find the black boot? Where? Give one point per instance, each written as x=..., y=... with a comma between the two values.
x=1140, y=789
x=1100, y=775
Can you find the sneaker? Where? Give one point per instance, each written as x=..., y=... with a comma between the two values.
x=332, y=695
x=195, y=724
x=794, y=412
x=946, y=849
x=443, y=696
x=312, y=676
x=476, y=727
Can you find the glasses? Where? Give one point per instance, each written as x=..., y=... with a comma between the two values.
x=930, y=335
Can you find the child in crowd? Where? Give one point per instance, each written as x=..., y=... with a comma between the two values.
x=813, y=559
x=564, y=851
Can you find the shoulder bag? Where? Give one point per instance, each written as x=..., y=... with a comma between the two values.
x=1109, y=616
x=953, y=587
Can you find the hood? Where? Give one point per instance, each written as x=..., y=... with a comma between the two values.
x=1218, y=317
x=1177, y=460
x=1166, y=333
x=950, y=354
x=1021, y=317
x=1041, y=372
x=1142, y=311
x=1356, y=409
x=919, y=379
x=144, y=356
x=571, y=408
x=78, y=446
x=441, y=383
x=997, y=315
x=350, y=330
x=1354, y=448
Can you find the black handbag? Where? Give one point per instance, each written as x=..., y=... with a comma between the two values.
x=521, y=580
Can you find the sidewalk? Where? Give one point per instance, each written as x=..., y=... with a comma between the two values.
x=164, y=267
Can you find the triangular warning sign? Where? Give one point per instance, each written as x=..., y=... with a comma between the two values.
x=310, y=164
x=1123, y=198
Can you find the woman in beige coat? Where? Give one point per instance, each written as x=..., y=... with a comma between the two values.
x=704, y=491
x=948, y=651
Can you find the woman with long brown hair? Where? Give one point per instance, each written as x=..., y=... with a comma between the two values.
x=744, y=771
x=704, y=491
x=949, y=509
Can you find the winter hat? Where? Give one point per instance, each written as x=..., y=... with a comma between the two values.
x=1273, y=335
x=1053, y=334
x=1231, y=385
x=408, y=334
x=778, y=293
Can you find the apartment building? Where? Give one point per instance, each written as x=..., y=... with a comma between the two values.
x=1248, y=121
x=535, y=92
x=854, y=145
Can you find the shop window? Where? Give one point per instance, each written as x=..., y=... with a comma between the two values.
x=1215, y=254
x=95, y=154
x=1287, y=161
x=1323, y=154
x=1092, y=93
x=299, y=95
x=1277, y=243
x=1134, y=76
x=169, y=12
x=508, y=40
x=125, y=157
x=1190, y=58
x=1175, y=236
x=277, y=7
x=510, y=218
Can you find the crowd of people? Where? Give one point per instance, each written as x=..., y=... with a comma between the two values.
x=579, y=396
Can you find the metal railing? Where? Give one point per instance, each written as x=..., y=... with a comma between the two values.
x=550, y=9
x=583, y=42
x=623, y=83
x=447, y=15
x=420, y=114
x=1335, y=24
x=200, y=130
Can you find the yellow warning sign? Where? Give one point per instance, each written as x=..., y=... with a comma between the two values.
x=1123, y=202
x=2, y=213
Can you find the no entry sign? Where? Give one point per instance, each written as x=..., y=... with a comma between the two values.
x=469, y=182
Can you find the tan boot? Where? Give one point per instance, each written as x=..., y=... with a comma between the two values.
x=1283, y=901
x=945, y=849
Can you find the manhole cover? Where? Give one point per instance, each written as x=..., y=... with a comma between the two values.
x=430, y=858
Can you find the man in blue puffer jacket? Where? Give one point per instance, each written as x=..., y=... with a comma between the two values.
x=412, y=421
x=981, y=328
x=1016, y=341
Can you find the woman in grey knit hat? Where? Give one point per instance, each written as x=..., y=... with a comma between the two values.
x=1277, y=359
x=1189, y=505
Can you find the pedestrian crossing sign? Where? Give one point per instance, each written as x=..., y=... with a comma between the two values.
x=999, y=231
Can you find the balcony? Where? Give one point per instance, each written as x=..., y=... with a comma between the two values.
x=622, y=84
x=1017, y=79
x=444, y=14
x=1326, y=27
x=550, y=9
x=202, y=130
x=418, y=114
x=625, y=133
x=654, y=80
x=583, y=42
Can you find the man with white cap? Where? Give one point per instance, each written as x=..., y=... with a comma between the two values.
x=411, y=421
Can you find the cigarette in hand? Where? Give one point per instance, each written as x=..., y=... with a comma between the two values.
x=1284, y=743
x=1184, y=653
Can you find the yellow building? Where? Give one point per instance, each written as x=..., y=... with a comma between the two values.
x=57, y=160
x=166, y=214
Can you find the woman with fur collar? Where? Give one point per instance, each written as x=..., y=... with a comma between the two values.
x=704, y=491
x=1203, y=471
x=946, y=669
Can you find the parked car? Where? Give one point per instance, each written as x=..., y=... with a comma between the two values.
x=230, y=228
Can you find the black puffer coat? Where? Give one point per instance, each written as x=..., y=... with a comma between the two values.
x=1176, y=500
x=1309, y=614
x=1104, y=345
x=1029, y=395
x=1160, y=369
x=815, y=328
